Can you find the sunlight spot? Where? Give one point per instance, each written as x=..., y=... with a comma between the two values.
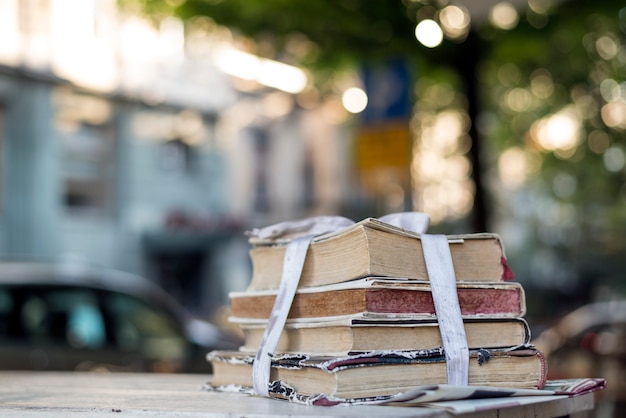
x=429, y=33
x=354, y=100
x=504, y=16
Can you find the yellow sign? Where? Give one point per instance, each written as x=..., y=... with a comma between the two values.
x=382, y=152
x=383, y=145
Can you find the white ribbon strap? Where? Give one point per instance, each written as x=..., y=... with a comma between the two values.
x=443, y=286
x=293, y=264
x=295, y=255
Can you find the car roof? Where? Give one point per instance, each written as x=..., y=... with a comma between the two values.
x=20, y=272
x=73, y=273
x=579, y=321
x=77, y=273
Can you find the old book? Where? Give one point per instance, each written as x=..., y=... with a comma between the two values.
x=380, y=373
x=370, y=297
x=374, y=248
x=339, y=338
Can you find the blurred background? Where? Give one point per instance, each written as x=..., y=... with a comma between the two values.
x=147, y=136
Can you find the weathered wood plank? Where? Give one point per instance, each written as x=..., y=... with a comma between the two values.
x=60, y=394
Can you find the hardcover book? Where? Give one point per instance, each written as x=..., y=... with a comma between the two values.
x=339, y=338
x=362, y=327
x=375, y=248
x=377, y=374
x=371, y=296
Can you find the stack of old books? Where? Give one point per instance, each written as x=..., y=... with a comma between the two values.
x=363, y=325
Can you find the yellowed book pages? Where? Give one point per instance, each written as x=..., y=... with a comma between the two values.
x=370, y=297
x=379, y=375
x=339, y=338
x=374, y=248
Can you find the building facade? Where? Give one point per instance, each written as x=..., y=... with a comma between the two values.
x=126, y=146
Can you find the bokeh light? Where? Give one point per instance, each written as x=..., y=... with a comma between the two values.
x=264, y=71
x=504, y=16
x=614, y=115
x=441, y=169
x=455, y=21
x=429, y=33
x=614, y=159
x=560, y=131
x=514, y=167
x=354, y=100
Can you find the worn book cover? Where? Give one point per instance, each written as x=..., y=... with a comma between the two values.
x=380, y=375
x=376, y=248
x=342, y=337
x=372, y=296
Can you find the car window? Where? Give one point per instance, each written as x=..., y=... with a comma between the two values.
x=6, y=313
x=62, y=323
x=52, y=315
x=144, y=328
x=69, y=316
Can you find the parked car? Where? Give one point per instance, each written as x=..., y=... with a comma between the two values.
x=69, y=316
x=591, y=342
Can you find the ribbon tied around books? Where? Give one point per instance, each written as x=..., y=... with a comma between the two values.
x=301, y=234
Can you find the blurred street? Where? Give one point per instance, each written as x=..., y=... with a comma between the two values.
x=148, y=136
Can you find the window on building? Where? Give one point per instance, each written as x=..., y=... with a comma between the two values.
x=176, y=138
x=261, y=146
x=176, y=156
x=85, y=129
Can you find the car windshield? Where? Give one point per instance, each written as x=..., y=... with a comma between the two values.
x=88, y=319
x=140, y=327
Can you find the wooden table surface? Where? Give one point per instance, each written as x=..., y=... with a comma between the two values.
x=66, y=394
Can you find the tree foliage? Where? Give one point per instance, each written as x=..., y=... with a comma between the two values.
x=329, y=34
x=573, y=206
